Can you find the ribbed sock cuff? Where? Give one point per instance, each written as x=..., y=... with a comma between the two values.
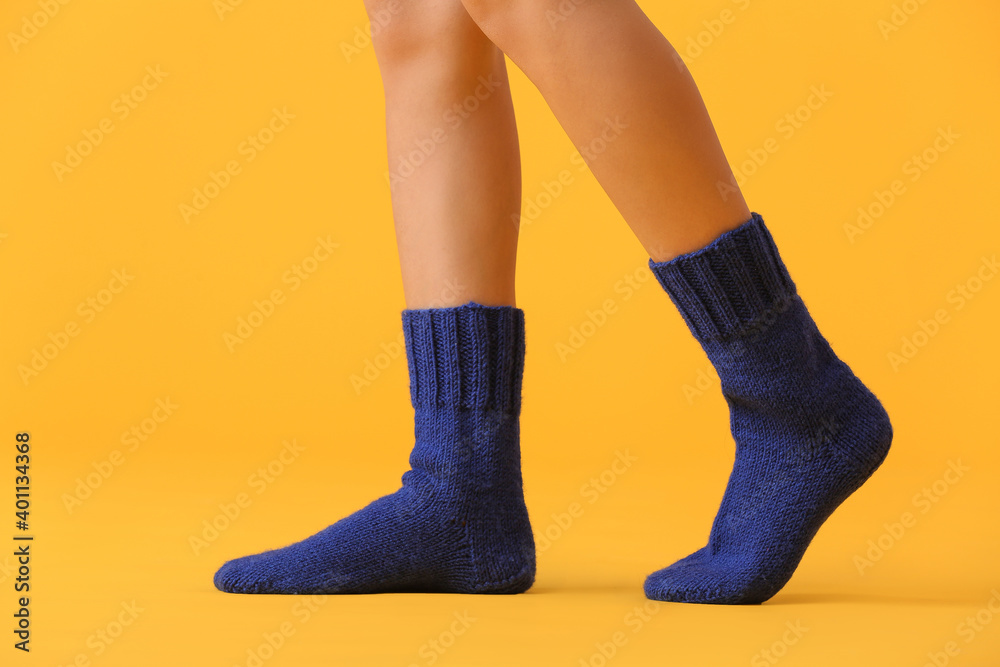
x=469, y=356
x=726, y=287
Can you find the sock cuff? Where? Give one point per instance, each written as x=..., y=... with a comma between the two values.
x=726, y=287
x=469, y=356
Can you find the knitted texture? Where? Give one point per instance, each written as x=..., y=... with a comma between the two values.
x=458, y=524
x=808, y=433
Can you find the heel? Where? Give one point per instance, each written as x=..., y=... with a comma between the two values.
x=519, y=582
x=871, y=437
x=503, y=553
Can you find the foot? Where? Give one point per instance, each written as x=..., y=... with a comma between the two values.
x=795, y=464
x=425, y=537
x=808, y=433
x=459, y=523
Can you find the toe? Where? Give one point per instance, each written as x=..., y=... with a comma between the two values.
x=244, y=575
x=685, y=583
x=229, y=578
x=704, y=580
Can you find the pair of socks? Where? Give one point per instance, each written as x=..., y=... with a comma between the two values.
x=808, y=433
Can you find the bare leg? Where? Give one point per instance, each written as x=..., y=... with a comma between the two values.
x=607, y=61
x=454, y=170
x=808, y=432
x=458, y=523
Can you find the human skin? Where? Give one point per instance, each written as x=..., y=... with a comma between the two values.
x=602, y=63
x=455, y=176
x=600, y=60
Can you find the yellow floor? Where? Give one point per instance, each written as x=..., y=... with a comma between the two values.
x=159, y=357
x=126, y=559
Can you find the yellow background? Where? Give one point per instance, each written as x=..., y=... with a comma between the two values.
x=623, y=390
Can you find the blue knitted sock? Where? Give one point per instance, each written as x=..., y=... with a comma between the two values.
x=458, y=524
x=808, y=432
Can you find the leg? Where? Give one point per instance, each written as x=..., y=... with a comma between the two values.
x=454, y=175
x=808, y=432
x=458, y=524
x=663, y=170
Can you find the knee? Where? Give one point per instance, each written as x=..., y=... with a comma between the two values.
x=516, y=25
x=496, y=18
x=395, y=38
x=404, y=31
